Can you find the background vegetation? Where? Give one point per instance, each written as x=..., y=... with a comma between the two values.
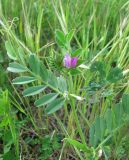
x=48, y=111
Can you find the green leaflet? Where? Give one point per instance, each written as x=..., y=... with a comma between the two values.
x=23, y=80
x=34, y=64
x=70, y=35
x=102, y=127
x=46, y=99
x=115, y=75
x=77, y=52
x=97, y=130
x=52, y=80
x=21, y=55
x=110, y=122
x=54, y=106
x=33, y=90
x=10, y=50
x=99, y=67
x=60, y=38
x=125, y=103
x=39, y=71
x=62, y=84
x=44, y=73
x=16, y=68
x=76, y=144
x=118, y=113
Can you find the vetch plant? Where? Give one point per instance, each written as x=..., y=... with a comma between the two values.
x=73, y=83
x=58, y=90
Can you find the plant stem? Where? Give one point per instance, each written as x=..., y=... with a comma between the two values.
x=78, y=124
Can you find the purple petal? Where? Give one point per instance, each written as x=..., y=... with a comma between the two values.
x=67, y=61
x=74, y=62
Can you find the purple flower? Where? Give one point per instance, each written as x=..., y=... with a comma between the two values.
x=70, y=62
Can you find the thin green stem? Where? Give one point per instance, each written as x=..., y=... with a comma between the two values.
x=78, y=124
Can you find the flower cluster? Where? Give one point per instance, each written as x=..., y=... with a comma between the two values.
x=70, y=62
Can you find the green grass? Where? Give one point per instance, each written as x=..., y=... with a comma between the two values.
x=101, y=33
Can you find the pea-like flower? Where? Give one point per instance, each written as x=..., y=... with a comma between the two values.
x=70, y=62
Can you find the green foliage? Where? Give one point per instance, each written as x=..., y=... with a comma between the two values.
x=16, y=68
x=9, y=155
x=115, y=75
x=63, y=40
x=48, y=146
x=75, y=72
x=108, y=124
x=39, y=72
x=34, y=64
x=23, y=80
x=60, y=38
x=3, y=78
x=122, y=149
x=54, y=106
x=76, y=144
x=31, y=91
x=94, y=31
x=7, y=128
x=10, y=50
x=99, y=67
x=62, y=84
x=46, y=99
x=77, y=52
x=1, y=58
x=55, y=62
